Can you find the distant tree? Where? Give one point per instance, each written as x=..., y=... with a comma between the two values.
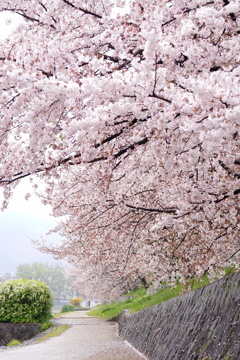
x=53, y=275
x=5, y=277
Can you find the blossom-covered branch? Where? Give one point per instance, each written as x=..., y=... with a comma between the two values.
x=129, y=112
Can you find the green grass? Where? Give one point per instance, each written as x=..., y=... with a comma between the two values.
x=58, y=330
x=137, y=293
x=45, y=326
x=13, y=342
x=195, y=283
x=140, y=300
x=56, y=315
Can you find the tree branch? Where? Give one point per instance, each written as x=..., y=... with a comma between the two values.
x=229, y=171
x=71, y=161
x=161, y=211
x=132, y=147
x=22, y=13
x=160, y=97
x=85, y=11
x=233, y=254
x=187, y=213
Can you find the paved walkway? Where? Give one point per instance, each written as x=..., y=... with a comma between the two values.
x=88, y=338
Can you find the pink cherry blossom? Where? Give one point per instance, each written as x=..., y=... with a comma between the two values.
x=132, y=120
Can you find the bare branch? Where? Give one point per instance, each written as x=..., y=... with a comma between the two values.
x=233, y=254
x=161, y=211
x=160, y=97
x=22, y=13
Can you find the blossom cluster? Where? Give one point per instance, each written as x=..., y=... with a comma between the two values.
x=132, y=120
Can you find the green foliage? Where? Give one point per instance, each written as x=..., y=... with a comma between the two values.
x=25, y=301
x=13, y=342
x=46, y=325
x=67, y=308
x=76, y=302
x=52, y=275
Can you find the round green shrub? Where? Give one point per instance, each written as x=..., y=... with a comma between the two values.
x=25, y=301
x=67, y=308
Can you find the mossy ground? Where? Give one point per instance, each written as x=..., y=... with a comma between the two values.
x=14, y=342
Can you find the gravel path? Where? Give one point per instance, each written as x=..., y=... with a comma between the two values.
x=88, y=338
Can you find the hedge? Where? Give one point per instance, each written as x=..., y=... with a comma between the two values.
x=67, y=308
x=25, y=301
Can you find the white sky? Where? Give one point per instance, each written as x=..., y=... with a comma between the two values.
x=23, y=221
x=8, y=21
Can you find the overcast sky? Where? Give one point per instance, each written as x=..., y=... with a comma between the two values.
x=23, y=220
x=21, y=223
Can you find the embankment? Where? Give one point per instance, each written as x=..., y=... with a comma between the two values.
x=202, y=324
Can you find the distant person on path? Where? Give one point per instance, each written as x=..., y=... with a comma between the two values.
x=89, y=303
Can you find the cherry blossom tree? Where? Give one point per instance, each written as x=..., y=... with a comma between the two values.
x=129, y=110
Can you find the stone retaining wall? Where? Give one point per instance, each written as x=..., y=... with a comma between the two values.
x=20, y=332
x=203, y=324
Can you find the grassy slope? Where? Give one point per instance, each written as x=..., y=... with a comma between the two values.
x=140, y=300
